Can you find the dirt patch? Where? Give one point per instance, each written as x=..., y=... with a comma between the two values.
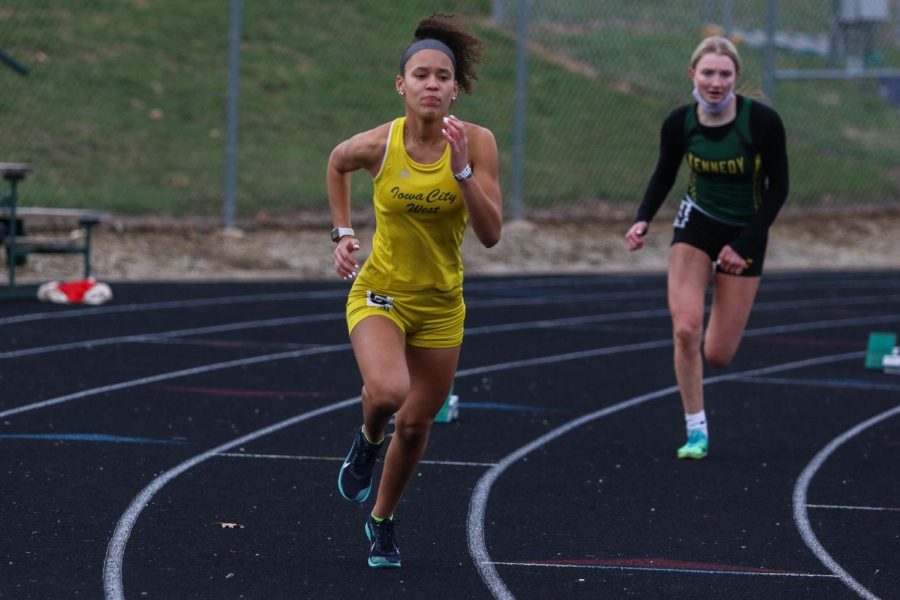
x=159, y=250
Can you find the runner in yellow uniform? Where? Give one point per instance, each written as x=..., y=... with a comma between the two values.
x=432, y=174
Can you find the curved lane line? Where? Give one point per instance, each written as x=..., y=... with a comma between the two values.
x=604, y=317
x=292, y=354
x=112, y=571
x=174, y=374
x=192, y=303
x=474, y=331
x=801, y=516
x=154, y=336
x=777, y=284
x=478, y=502
x=115, y=550
x=283, y=297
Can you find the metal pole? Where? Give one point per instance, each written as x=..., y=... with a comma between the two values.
x=769, y=52
x=728, y=16
x=498, y=8
x=231, y=125
x=518, y=154
x=709, y=16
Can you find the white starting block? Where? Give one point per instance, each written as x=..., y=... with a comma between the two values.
x=891, y=362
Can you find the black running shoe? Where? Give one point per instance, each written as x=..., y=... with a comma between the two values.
x=384, y=551
x=355, y=477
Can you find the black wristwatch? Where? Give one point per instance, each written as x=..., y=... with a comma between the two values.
x=338, y=232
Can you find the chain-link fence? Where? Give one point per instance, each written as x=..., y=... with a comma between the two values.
x=124, y=103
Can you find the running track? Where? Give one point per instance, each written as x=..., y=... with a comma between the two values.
x=183, y=441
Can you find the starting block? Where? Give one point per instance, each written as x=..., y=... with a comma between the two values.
x=891, y=362
x=450, y=410
x=880, y=346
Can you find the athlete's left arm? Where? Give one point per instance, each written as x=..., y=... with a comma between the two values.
x=475, y=146
x=766, y=126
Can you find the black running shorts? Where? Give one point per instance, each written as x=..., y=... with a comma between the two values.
x=696, y=229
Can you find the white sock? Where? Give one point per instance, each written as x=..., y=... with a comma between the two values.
x=696, y=420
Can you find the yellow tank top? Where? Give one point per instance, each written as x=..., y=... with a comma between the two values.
x=420, y=221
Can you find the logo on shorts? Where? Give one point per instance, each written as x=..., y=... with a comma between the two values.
x=684, y=214
x=379, y=301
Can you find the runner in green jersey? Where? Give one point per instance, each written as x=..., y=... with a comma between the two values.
x=735, y=149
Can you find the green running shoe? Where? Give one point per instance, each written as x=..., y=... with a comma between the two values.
x=384, y=551
x=697, y=445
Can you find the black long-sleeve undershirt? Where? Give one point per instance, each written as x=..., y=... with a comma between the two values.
x=768, y=138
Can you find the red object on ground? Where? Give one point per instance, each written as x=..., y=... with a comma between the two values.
x=79, y=291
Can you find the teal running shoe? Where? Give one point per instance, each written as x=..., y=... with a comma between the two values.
x=384, y=551
x=697, y=445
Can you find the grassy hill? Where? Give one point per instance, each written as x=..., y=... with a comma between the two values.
x=124, y=108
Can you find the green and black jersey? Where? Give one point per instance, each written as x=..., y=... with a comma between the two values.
x=738, y=171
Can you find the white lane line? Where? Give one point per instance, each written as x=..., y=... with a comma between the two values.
x=810, y=325
x=174, y=304
x=278, y=456
x=112, y=571
x=155, y=336
x=481, y=493
x=476, y=331
x=801, y=516
x=173, y=375
x=321, y=317
x=230, y=364
x=666, y=569
x=442, y=463
x=864, y=508
x=605, y=317
x=829, y=383
x=773, y=284
x=291, y=296
x=115, y=550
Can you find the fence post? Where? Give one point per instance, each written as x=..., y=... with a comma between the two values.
x=728, y=16
x=232, y=117
x=769, y=52
x=498, y=10
x=519, y=114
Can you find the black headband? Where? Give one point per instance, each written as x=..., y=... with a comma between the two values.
x=427, y=44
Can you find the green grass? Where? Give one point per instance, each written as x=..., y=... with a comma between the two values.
x=124, y=108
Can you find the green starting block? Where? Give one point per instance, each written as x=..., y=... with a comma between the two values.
x=880, y=345
x=450, y=410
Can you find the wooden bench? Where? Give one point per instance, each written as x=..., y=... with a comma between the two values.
x=19, y=244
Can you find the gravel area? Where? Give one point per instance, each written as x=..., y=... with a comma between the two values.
x=159, y=250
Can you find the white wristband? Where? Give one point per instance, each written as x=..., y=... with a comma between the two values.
x=464, y=174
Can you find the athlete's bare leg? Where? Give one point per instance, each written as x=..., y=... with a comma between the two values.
x=689, y=274
x=431, y=372
x=733, y=298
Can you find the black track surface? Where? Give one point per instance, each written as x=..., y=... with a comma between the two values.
x=147, y=448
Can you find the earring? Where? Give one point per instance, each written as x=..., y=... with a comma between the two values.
x=453, y=98
x=401, y=92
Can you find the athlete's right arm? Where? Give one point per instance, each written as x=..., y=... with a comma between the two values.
x=671, y=151
x=362, y=151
